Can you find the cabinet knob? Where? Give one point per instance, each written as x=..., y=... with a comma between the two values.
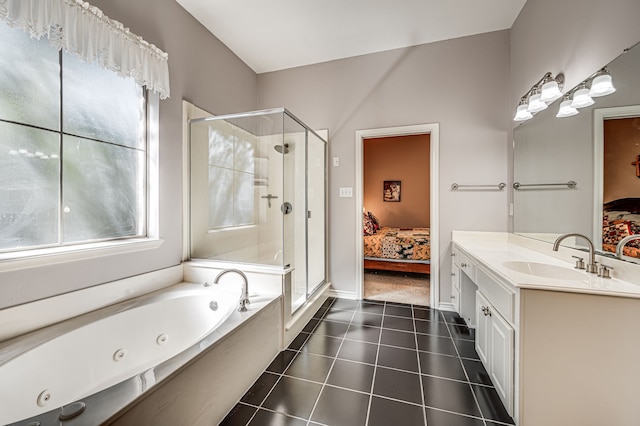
x=453, y=274
x=453, y=297
x=464, y=265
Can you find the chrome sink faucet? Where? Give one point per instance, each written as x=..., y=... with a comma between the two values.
x=623, y=242
x=244, y=296
x=592, y=268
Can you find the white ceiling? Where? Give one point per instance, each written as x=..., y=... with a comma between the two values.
x=270, y=35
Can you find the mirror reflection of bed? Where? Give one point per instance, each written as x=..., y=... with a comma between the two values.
x=396, y=235
x=621, y=184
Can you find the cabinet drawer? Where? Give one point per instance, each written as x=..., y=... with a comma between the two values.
x=501, y=298
x=465, y=264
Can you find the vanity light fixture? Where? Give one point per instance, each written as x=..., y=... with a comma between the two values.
x=522, y=113
x=601, y=84
x=581, y=98
x=541, y=94
x=566, y=110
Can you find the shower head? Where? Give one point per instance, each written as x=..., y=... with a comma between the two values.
x=280, y=149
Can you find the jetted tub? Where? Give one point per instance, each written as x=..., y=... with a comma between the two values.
x=66, y=362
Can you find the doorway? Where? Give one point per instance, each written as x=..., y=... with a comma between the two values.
x=432, y=130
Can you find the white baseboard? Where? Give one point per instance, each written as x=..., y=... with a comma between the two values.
x=343, y=294
x=446, y=306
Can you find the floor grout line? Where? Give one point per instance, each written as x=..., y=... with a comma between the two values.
x=375, y=369
x=330, y=369
x=386, y=307
x=415, y=337
x=467, y=376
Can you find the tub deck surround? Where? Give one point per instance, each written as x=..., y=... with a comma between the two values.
x=495, y=249
x=111, y=357
x=25, y=318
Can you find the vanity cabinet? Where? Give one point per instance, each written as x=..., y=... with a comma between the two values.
x=495, y=346
x=491, y=304
x=558, y=351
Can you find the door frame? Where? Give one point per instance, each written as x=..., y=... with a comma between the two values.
x=433, y=130
x=599, y=117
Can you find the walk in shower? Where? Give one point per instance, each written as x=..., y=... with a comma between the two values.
x=258, y=195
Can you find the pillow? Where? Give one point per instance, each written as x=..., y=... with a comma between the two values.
x=368, y=228
x=376, y=222
x=615, y=231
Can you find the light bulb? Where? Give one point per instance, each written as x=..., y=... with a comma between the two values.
x=566, y=110
x=550, y=91
x=535, y=104
x=522, y=114
x=601, y=86
x=581, y=98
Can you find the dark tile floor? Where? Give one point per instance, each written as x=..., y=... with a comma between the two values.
x=375, y=363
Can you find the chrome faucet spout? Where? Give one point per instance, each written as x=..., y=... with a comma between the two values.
x=591, y=266
x=244, y=296
x=623, y=242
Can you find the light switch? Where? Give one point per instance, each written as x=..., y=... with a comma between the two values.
x=346, y=192
x=336, y=161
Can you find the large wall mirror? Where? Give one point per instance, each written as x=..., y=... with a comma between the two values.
x=599, y=150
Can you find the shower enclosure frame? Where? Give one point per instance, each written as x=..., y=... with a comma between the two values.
x=284, y=268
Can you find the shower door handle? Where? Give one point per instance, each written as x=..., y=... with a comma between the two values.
x=269, y=197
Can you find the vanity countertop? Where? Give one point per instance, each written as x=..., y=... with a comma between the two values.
x=497, y=249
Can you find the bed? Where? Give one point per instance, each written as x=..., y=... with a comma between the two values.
x=397, y=249
x=621, y=218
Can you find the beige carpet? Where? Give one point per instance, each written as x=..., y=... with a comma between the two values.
x=397, y=287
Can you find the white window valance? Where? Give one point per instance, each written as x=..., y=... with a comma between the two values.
x=82, y=29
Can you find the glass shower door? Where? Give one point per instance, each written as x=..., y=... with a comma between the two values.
x=316, y=190
x=294, y=208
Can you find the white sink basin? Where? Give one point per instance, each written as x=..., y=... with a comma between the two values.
x=544, y=270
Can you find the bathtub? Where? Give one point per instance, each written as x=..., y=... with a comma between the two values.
x=119, y=351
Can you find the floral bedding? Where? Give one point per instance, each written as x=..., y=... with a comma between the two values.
x=399, y=244
x=617, y=225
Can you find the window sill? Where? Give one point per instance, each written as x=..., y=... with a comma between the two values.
x=43, y=257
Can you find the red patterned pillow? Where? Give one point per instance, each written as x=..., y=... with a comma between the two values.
x=368, y=228
x=376, y=222
x=616, y=231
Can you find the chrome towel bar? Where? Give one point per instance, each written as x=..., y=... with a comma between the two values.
x=499, y=187
x=570, y=184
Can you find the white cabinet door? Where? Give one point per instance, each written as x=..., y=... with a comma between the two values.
x=501, y=337
x=483, y=324
x=455, y=299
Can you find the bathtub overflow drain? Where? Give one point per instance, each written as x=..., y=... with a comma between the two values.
x=213, y=305
x=119, y=355
x=44, y=398
x=162, y=339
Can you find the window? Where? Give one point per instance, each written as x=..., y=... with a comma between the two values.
x=231, y=177
x=73, y=148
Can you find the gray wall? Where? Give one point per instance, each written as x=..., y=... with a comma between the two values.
x=576, y=37
x=203, y=71
x=461, y=84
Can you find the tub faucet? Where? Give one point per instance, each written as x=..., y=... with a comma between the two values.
x=244, y=296
x=623, y=242
x=591, y=266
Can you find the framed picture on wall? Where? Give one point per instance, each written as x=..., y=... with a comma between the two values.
x=391, y=190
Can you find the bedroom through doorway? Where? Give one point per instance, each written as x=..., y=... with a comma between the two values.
x=396, y=218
